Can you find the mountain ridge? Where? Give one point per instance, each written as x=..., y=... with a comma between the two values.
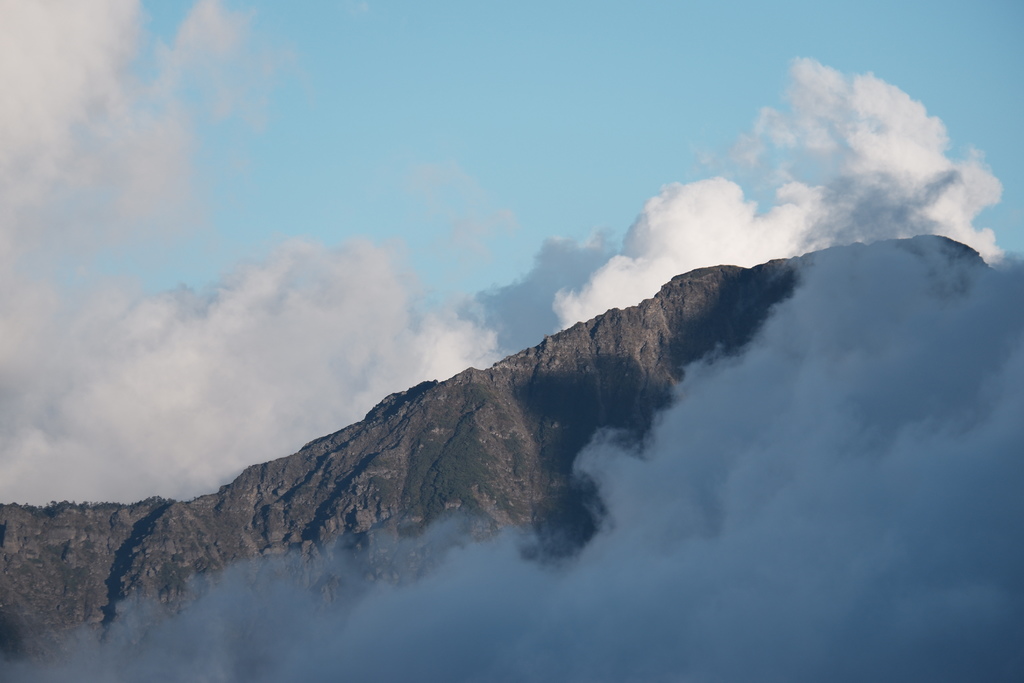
x=499, y=443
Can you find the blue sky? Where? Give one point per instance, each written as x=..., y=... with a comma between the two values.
x=394, y=120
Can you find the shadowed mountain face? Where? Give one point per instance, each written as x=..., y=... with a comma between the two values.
x=498, y=443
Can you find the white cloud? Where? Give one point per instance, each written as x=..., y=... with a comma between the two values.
x=123, y=397
x=92, y=152
x=855, y=159
x=67, y=121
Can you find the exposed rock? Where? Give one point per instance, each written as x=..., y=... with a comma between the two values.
x=499, y=443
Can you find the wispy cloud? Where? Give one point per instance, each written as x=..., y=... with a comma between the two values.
x=357, y=9
x=448, y=192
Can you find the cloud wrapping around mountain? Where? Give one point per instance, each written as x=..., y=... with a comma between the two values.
x=840, y=502
x=855, y=159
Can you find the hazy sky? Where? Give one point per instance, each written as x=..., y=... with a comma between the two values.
x=227, y=228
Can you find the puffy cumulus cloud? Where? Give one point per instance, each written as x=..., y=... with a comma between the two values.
x=123, y=397
x=840, y=502
x=92, y=152
x=65, y=71
x=854, y=159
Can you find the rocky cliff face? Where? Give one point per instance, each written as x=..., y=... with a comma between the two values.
x=499, y=443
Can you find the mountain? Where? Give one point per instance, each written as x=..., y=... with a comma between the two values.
x=498, y=444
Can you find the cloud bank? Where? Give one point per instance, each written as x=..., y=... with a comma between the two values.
x=855, y=159
x=841, y=502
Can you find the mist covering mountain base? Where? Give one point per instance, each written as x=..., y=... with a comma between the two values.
x=496, y=444
x=829, y=490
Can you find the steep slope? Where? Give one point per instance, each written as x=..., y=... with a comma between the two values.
x=499, y=443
